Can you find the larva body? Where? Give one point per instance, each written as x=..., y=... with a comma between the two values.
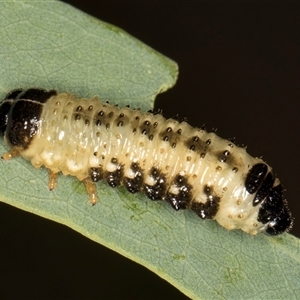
x=166, y=159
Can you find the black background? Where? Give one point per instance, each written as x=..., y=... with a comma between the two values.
x=239, y=72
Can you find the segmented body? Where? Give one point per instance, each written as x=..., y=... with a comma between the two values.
x=166, y=159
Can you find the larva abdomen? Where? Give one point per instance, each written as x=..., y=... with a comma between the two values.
x=166, y=159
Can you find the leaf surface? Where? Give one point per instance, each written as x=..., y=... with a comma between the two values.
x=52, y=45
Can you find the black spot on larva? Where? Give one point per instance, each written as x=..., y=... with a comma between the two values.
x=145, y=127
x=121, y=120
x=255, y=177
x=275, y=212
x=96, y=174
x=77, y=117
x=208, y=142
x=158, y=189
x=87, y=122
x=194, y=143
x=79, y=108
x=105, y=119
x=39, y=95
x=183, y=195
x=264, y=189
x=149, y=129
x=208, y=209
x=90, y=108
x=167, y=135
x=115, y=178
x=226, y=153
x=208, y=190
x=235, y=169
x=23, y=122
x=134, y=185
x=223, y=156
x=13, y=95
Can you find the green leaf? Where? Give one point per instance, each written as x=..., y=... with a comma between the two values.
x=52, y=45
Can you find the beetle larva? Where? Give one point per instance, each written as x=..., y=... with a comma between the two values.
x=166, y=159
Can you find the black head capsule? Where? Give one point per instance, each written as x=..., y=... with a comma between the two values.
x=20, y=114
x=5, y=106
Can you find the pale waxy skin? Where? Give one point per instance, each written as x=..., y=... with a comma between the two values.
x=166, y=159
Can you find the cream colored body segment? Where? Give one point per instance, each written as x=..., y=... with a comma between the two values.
x=73, y=147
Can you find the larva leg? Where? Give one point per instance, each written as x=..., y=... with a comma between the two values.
x=10, y=154
x=91, y=189
x=52, y=180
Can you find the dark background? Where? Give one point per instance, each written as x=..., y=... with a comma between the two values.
x=239, y=72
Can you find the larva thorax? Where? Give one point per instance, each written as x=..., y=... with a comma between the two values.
x=166, y=159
